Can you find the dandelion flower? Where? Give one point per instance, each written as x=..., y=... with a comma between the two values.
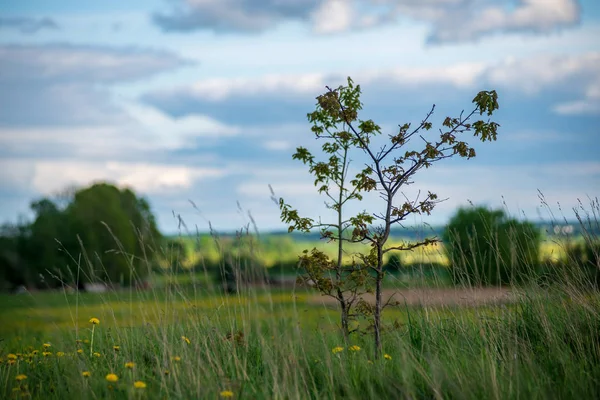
x=79, y=351
x=112, y=378
x=94, y=321
x=139, y=385
x=129, y=365
x=21, y=377
x=35, y=352
x=387, y=356
x=116, y=348
x=11, y=362
x=86, y=374
x=185, y=339
x=226, y=393
x=354, y=348
x=46, y=345
x=336, y=350
x=166, y=372
x=46, y=354
x=59, y=354
x=177, y=358
x=97, y=355
x=11, y=356
x=86, y=341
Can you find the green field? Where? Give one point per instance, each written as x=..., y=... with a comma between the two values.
x=274, y=250
x=189, y=342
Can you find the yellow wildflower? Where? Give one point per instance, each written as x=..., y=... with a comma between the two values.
x=116, y=348
x=354, y=348
x=86, y=374
x=166, y=372
x=11, y=362
x=94, y=321
x=97, y=355
x=129, y=365
x=86, y=341
x=387, y=356
x=139, y=385
x=112, y=378
x=226, y=393
x=46, y=353
x=35, y=352
x=21, y=377
x=59, y=354
x=79, y=351
x=46, y=345
x=177, y=358
x=11, y=356
x=185, y=339
x=337, y=350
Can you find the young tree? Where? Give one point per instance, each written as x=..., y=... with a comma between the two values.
x=334, y=278
x=387, y=171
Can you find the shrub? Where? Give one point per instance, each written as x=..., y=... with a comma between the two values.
x=487, y=248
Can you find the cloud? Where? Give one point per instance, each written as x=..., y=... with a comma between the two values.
x=27, y=25
x=232, y=15
x=282, y=99
x=450, y=20
x=60, y=63
x=49, y=176
x=59, y=84
x=277, y=145
x=467, y=20
x=279, y=99
x=146, y=132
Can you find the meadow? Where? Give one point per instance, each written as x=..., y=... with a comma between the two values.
x=192, y=341
x=184, y=337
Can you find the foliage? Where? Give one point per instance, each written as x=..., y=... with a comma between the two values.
x=387, y=171
x=99, y=235
x=487, y=248
x=582, y=263
x=239, y=270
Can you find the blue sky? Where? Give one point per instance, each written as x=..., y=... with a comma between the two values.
x=206, y=100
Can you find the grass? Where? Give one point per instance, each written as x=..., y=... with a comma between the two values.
x=264, y=344
x=184, y=339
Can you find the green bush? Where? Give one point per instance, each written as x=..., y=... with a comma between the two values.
x=394, y=264
x=487, y=248
x=240, y=270
x=583, y=262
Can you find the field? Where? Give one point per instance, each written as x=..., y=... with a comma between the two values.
x=191, y=342
x=274, y=250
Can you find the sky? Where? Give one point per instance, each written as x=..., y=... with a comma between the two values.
x=198, y=105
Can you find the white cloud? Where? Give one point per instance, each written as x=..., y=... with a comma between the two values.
x=277, y=145
x=581, y=107
x=50, y=176
x=450, y=20
x=333, y=16
x=464, y=20
x=575, y=75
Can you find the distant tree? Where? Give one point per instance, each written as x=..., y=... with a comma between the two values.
x=115, y=227
x=12, y=265
x=487, y=248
